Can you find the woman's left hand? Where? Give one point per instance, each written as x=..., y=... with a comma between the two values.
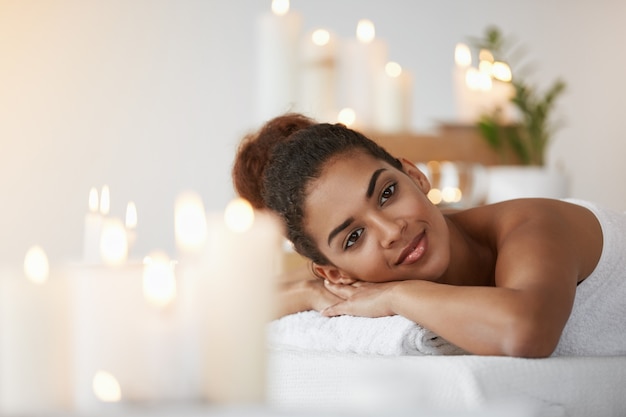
x=363, y=299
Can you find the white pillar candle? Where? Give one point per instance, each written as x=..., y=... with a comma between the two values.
x=113, y=241
x=466, y=97
x=130, y=221
x=240, y=270
x=318, y=75
x=34, y=339
x=278, y=34
x=393, y=106
x=363, y=59
x=126, y=331
x=93, y=228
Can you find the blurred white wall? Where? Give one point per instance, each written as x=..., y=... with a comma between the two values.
x=152, y=96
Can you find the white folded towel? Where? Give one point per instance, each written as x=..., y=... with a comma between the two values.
x=389, y=336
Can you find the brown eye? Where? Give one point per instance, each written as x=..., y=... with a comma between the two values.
x=352, y=239
x=387, y=193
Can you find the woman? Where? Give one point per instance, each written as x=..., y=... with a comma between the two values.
x=497, y=279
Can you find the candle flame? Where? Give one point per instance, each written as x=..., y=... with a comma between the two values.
x=159, y=280
x=320, y=37
x=106, y=388
x=36, y=266
x=477, y=80
x=485, y=55
x=501, y=71
x=365, y=31
x=346, y=116
x=131, y=215
x=105, y=200
x=280, y=7
x=393, y=69
x=239, y=215
x=190, y=221
x=93, y=200
x=113, y=242
x=462, y=55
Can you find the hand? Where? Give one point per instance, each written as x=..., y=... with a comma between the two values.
x=363, y=299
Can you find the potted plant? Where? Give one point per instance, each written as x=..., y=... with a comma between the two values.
x=525, y=141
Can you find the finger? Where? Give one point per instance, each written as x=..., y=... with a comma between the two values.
x=332, y=311
x=340, y=290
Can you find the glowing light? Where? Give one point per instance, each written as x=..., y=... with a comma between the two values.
x=451, y=195
x=105, y=200
x=190, y=221
x=393, y=69
x=93, y=200
x=485, y=55
x=320, y=37
x=280, y=7
x=365, y=31
x=106, y=388
x=113, y=242
x=346, y=116
x=239, y=215
x=477, y=80
x=36, y=266
x=131, y=215
x=462, y=55
x=501, y=71
x=159, y=280
x=434, y=195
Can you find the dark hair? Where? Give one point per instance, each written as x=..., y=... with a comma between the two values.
x=292, y=162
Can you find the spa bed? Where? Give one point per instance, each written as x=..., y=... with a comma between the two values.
x=305, y=372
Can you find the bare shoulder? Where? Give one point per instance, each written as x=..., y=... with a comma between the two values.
x=540, y=230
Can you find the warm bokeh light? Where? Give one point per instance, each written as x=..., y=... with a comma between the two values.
x=159, y=279
x=486, y=67
x=346, y=116
x=485, y=55
x=239, y=215
x=462, y=55
x=477, y=80
x=106, y=387
x=36, y=265
x=93, y=200
x=365, y=31
x=113, y=242
x=190, y=223
x=451, y=195
x=501, y=71
x=131, y=215
x=280, y=7
x=320, y=37
x=105, y=200
x=434, y=195
x=393, y=69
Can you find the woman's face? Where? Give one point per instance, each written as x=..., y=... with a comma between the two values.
x=375, y=223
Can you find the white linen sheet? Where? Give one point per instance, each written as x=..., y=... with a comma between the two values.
x=557, y=386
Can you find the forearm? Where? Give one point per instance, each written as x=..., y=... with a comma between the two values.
x=482, y=320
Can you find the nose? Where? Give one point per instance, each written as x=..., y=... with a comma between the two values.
x=388, y=230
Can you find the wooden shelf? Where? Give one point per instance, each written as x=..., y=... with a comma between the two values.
x=452, y=142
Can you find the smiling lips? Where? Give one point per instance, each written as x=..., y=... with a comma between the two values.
x=414, y=251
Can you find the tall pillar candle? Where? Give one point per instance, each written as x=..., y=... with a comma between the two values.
x=318, y=76
x=466, y=98
x=393, y=106
x=93, y=229
x=242, y=264
x=34, y=342
x=278, y=34
x=363, y=59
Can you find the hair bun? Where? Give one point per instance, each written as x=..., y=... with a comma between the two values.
x=255, y=152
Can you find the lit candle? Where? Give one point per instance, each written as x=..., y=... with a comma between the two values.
x=34, y=338
x=278, y=34
x=466, y=98
x=127, y=335
x=93, y=229
x=113, y=242
x=393, y=106
x=364, y=57
x=240, y=270
x=318, y=70
x=190, y=225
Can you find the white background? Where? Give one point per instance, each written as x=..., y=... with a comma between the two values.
x=152, y=96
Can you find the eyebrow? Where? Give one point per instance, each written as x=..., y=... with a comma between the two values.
x=368, y=194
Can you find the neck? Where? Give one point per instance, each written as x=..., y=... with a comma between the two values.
x=472, y=260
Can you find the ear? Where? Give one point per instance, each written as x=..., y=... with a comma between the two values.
x=333, y=274
x=418, y=176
